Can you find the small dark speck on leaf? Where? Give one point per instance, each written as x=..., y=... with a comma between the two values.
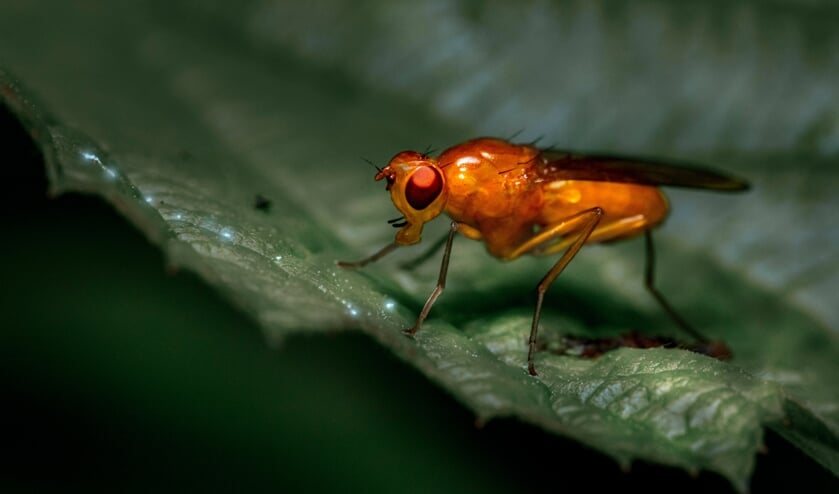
x=262, y=203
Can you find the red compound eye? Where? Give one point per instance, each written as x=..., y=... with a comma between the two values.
x=423, y=187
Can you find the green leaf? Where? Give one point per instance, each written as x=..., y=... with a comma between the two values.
x=182, y=123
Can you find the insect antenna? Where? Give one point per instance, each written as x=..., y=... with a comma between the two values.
x=372, y=164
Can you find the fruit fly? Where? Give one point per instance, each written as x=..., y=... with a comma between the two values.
x=519, y=199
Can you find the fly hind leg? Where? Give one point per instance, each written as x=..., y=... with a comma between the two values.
x=716, y=349
x=649, y=283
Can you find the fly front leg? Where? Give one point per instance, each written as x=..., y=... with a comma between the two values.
x=375, y=257
x=582, y=225
x=415, y=262
x=466, y=230
x=441, y=282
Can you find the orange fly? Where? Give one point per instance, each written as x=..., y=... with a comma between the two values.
x=519, y=199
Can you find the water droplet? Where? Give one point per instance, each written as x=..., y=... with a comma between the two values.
x=227, y=233
x=149, y=199
x=390, y=305
x=88, y=156
x=350, y=308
